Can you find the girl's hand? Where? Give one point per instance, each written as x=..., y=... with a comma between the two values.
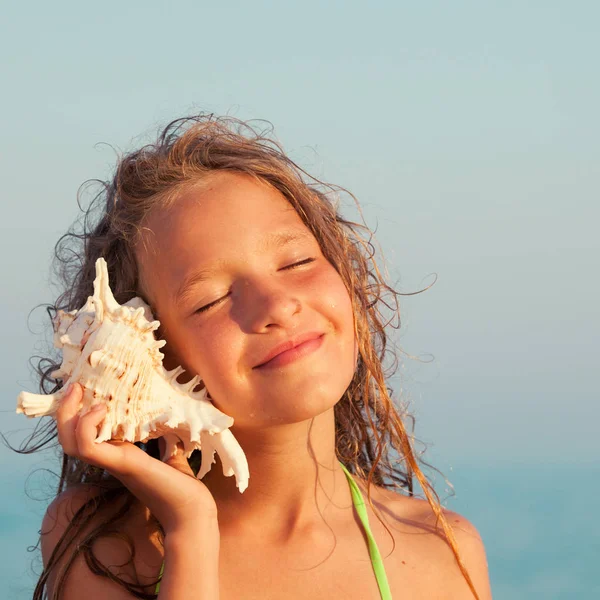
x=169, y=489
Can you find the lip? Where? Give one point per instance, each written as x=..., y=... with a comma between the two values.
x=289, y=351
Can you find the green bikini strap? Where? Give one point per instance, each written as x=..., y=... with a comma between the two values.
x=376, y=560
x=162, y=570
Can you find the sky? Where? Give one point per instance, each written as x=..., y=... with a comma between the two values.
x=467, y=130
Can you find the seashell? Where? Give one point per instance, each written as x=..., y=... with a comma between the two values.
x=110, y=349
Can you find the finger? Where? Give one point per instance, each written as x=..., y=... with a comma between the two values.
x=67, y=418
x=171, y=452
x=117, y=457
x=179, y=461
x=87, y=431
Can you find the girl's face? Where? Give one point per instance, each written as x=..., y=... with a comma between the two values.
x=235, y=276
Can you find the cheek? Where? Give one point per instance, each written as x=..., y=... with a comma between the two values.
x=339, y=303
x=340, y=312
x=199, y=350
x=212, y=353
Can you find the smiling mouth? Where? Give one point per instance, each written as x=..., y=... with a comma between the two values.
x=293, y=354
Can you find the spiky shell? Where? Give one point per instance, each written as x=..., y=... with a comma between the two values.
x=110, y=349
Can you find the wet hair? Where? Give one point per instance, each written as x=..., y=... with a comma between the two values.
x=371, y=436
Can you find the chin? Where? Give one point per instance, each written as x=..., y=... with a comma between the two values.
x=291, y=397
x=287, y=410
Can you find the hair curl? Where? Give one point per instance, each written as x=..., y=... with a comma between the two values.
x=370, y=435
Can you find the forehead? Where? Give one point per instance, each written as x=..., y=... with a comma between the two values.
x=229, y=217
x=221, y=208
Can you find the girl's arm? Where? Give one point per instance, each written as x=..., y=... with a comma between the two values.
x=191, y=561
x=181, y=503
x=192, y=564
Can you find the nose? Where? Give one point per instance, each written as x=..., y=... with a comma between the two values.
x=264, y=305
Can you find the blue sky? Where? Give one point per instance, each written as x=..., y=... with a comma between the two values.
x=468, y=131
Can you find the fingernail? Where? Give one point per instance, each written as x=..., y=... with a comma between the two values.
x=69, y=389
x=98, y=406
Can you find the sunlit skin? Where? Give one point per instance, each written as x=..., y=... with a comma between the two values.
x=294, y=531
x=258, y=295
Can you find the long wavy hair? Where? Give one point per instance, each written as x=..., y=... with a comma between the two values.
x=371, y=436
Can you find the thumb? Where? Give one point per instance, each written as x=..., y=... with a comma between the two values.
x=174, y=456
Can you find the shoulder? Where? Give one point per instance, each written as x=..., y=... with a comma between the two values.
x=60, y=513
x=415, y=517
x=112, y=552
x=471, y=550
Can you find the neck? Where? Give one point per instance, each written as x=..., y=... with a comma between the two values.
x=295, y=478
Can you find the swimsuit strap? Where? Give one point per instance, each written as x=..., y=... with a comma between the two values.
x=162, y=569
x=376, y=560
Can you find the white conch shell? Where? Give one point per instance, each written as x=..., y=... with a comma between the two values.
x=110, y=349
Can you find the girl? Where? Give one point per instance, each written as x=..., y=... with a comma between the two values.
x=267, y=292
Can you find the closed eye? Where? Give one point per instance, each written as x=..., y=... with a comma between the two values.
x=207, y=306
x=300, y=263
x=219, y=300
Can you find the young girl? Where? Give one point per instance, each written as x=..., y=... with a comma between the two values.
x=263, y=289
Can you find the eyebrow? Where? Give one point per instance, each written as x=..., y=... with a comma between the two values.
x=273, y=240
